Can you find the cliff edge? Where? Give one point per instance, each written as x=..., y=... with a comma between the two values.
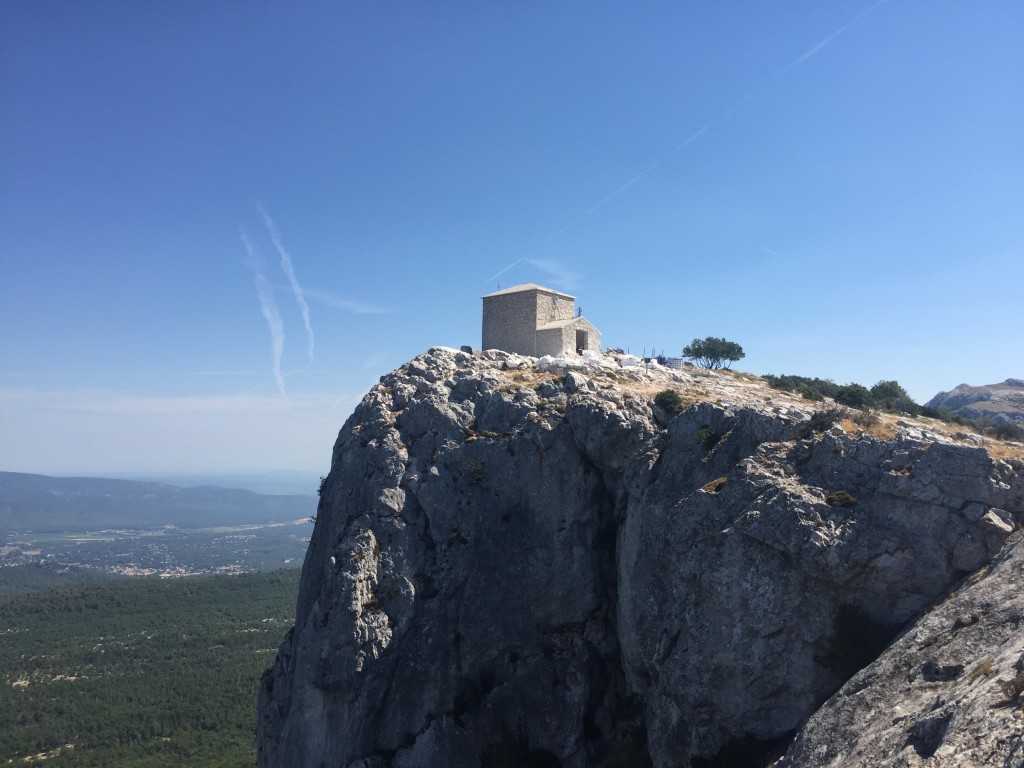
x=522, y=562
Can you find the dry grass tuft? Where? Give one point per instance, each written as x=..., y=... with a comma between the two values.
x=983, y=668
x=960, y=434
x=1005, y=450
x=742, y=375
x=876, y=426
x=715, y=485
x=882, y=431
x=528, y=379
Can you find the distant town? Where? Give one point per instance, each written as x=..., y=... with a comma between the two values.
x=167, y=552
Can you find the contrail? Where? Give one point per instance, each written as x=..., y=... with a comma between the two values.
x=694, y=136
x=560, y=275
x=506, y=269
x=814, y=49
x=606, y=199
x=766, y=249
x=270, y=313
x=622, y=188
x=289, y=270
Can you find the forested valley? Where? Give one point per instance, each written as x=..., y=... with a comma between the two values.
x=139, y=672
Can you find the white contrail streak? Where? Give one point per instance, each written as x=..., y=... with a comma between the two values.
x=766, y=249
x=289, y=271
x=269, y=308
x=506, y=269
x=691, y=138
x=814, y=49
x=560, y=275
x=606, y=199
x=622, y=188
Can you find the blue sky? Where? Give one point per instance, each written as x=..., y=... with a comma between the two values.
x=197, y=197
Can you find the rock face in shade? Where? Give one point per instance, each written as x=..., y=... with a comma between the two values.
x=1001, y=402
x=519, y=564
x=948, y=692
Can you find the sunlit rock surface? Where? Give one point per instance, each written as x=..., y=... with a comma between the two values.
x=531, y=562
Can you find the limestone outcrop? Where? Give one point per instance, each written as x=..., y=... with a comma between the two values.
x=1002, y=402
x=948, y=692
x=522, y=562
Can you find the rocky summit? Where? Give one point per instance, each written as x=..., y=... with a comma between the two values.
x=521, y=562
x=999, y=402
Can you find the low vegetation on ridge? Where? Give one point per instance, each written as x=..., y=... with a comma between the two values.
x=887, y=396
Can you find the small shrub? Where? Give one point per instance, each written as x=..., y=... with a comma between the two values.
x=891, y=396
x=715, y=485
x=1008, y=431
x=821, y=421
x=669, y=400
x=854, y=395
x=865, y=419
x=707, y=437
x=983, y=668
x=840, y=499
x=808, y=392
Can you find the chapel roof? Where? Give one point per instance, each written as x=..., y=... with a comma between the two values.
x=527, y=287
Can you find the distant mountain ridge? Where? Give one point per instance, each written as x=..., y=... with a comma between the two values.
x=37, y=503
x=1002, y=402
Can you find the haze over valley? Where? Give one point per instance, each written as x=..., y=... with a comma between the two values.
x=81, y=528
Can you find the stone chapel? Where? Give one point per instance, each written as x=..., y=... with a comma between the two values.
x=532, y=320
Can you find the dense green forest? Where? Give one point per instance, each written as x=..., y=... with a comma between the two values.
x=140, y=672
x=17, y=580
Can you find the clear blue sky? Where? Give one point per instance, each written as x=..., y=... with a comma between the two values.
x=837, y=186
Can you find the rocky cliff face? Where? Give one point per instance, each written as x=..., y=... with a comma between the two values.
x=948, y=692
x=1001, y=402
x=523, y=565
